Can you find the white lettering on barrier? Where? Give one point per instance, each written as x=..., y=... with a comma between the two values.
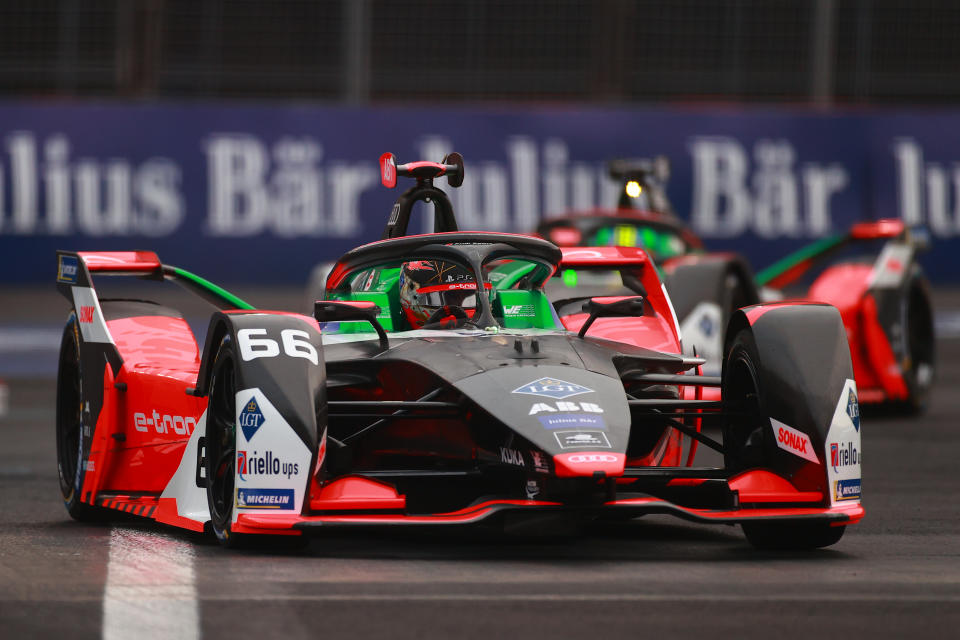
x=730, y=199
x=113, y=198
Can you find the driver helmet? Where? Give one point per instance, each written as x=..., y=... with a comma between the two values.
x=427, y=286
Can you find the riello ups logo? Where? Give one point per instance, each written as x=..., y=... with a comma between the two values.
x=267, y=464
x=844, y=454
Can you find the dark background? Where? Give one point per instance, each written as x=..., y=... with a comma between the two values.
x=822, y=52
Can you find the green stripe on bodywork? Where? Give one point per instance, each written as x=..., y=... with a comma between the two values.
x=215, y=289
x=810, y=251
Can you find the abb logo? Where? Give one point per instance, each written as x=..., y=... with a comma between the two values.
x=85, y=314
x=583, y=458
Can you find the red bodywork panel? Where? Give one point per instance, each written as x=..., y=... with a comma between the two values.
x=355, y=492
x=875, y=367
x=658, y=331
x=877, y=229
x=145, y=428
x=121, y=261
x=761, y=486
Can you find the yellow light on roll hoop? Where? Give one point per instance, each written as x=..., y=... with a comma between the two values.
x=634, y=189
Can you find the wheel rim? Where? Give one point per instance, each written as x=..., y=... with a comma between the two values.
x=221, y=441
x=69, y=415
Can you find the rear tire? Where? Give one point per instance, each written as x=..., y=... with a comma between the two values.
x=71, y=452
x=920, y=349
x=795, y=536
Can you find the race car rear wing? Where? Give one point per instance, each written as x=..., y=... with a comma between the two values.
x=74, y=269
x=792, y=267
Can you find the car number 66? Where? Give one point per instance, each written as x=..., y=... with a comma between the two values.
x=295, y=342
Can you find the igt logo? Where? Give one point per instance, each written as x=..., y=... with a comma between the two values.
x=251, y=418
x=853, y=409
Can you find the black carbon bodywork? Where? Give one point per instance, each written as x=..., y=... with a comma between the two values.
x=487, y=371
x=295, y=386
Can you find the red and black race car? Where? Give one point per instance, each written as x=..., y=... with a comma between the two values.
x=435, y=385
x=870, y=273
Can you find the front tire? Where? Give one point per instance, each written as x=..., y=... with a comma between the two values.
x=746, y=440
x=778, y=536
x=221, y=445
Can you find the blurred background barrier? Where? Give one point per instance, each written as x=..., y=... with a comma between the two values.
x=263, y=193
x=239, y=138
x=820, y=51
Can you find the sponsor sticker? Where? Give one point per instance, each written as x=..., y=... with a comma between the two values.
x=796, y=442
x=511, y=456
x=552, y=388
x=853, y=409
x=67, y=269
x=585, y=458
x=546, y=407
x=848, y=489
x=163, y=423
x=844, y=454
x=842, y=449
x=533, y=489
x=519, y=311
x=265, y=464
x=582, y=439
x=573, y=421
x=265, y=498
x=251, y=418
x=539, y=462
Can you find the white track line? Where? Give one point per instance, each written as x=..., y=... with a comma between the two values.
x=150, y=590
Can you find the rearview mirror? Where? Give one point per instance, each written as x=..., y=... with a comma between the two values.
x=351, y=311
x=611, y=307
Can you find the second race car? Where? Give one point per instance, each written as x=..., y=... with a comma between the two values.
x=870, y=273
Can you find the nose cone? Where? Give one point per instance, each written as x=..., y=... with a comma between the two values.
x=588, y=463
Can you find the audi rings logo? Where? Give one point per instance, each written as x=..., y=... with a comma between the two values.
x=582, y=458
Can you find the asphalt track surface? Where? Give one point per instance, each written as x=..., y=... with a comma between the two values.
x=896, y=575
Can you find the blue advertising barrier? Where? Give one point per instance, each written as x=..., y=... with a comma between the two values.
x=261, y=194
